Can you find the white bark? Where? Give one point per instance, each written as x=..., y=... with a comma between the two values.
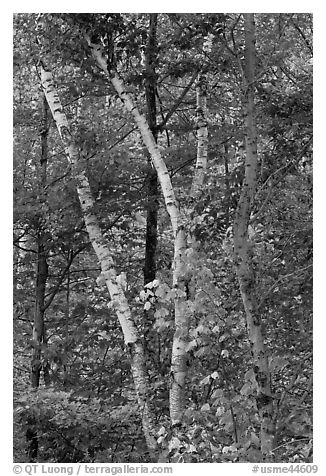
x=178, y=360
x=202, y=136
x=120, y=303
x=147, y=136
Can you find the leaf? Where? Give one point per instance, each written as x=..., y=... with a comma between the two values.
x=174, y=443
x=142, y=295
x=205, y=380
x=104, y=334
x=226, y=418
x=164, y=312
x=202, y=351
x=162, y=431
x=219, y=412
x=140, y=219
x=191, y=449
x=229, y=449
x=162, y=291
x=147, y=306
x=158, y=313
x=249, y=375
x=254, y=440
x=205, y=408
x=218, y=393
x=191, y=345
x=246, y=389
x=214, y=449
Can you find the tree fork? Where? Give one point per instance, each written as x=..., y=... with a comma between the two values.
x=178, y=361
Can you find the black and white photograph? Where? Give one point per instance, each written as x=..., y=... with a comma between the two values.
x=162, y=240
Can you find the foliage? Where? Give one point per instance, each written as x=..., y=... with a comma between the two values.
x=89, y=412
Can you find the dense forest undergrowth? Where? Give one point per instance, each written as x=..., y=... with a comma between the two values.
x=163, y=237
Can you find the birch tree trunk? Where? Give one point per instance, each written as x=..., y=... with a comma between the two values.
x=202, y=136
x=201, y=123
x=243, y=251
x=179, y=356
x=104, y=255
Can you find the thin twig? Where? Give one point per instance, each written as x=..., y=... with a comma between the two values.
x=178, y=101
x=295, y=273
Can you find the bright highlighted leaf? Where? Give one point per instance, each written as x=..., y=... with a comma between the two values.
x=246, y=389
x=205, y=380
x=191, y=345
x=174, y=443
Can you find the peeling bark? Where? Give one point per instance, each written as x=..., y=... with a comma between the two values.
x=178, y=221
x=202, y=136
x=147, y=136
x=180, y=337
x=178, y=362
x=104, y=255
x=243, y=251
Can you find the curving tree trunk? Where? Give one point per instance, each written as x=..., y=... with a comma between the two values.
x=243, y=251
x=179, y=356
x=178, y=220
x=104, y=254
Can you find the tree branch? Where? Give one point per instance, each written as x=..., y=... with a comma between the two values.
x=178, y=101
x=281, y=278
x=54, y=291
